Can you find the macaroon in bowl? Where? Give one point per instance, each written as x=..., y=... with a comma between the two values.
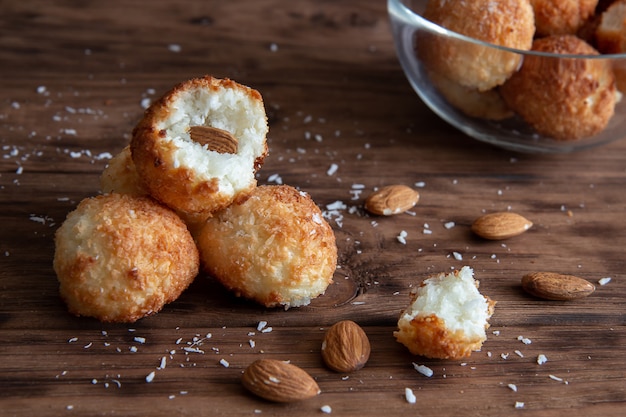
x=491, y=70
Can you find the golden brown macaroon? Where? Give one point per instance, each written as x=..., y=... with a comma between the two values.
x=610, y=35
x=561, y=98
x=507, y=23
x=120, y=176
x=562, y=17
x=187, y=174
x=479, y=104
x=447, y=317
x=610, y=38
x=274, y=248
x=119, y=258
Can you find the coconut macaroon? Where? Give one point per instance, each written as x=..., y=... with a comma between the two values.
x=610, y=38
x=561, y=17
x=473, y=103
x=610, y=34
x=274, y=248
x=199, y=146
x=507, y=23
x=447, y=317
x=119, y=258
x=120, y=176
x=563, y=98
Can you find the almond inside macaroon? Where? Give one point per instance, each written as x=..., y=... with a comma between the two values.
x=186, y=174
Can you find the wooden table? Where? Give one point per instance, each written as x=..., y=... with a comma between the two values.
x=75, y=77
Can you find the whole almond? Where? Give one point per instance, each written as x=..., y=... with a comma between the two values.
x=500, y=225
x=346, y=347
x=392, y=199
x=215, y=139
x=279, y=381
x=555, y=286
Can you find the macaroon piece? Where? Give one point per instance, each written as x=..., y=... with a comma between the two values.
x=610, y=35
x=610, y=38
x=119, y=258
x=198, y=147
x=447, y=317
x=120, y=176
x=275, y=248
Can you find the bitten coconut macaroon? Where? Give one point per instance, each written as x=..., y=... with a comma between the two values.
x=119, y=258
x=274, y=248
x=447, y=317
x=198, y=147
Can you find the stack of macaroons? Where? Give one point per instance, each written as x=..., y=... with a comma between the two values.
x=191, y=164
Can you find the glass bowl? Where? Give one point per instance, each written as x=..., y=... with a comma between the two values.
x=485, y=115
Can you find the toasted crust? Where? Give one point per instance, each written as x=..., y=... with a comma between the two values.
x=562, y=17
x=120, y=176
x=185, y=175
x=119, y=258
x=507, y=23
x=428, y=336
x=274, y=248
x=446, y=318
x=562, y=98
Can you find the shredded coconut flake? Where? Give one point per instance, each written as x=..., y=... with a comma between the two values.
x=410, y=396
x=556, y=378
x=332, y=169
x=163, y=363
x=604, y=281
x=174, y=47
x=150, y=377
x=424, y=370
x=541, y=359
x=326, y=409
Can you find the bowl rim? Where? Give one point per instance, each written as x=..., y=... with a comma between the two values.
x=400, y=10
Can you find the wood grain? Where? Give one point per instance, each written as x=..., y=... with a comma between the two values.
x=73, y=78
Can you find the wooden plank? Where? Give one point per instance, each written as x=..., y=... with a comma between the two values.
x=73, y=80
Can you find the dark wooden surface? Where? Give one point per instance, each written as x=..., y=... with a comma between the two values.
x=73, y=76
